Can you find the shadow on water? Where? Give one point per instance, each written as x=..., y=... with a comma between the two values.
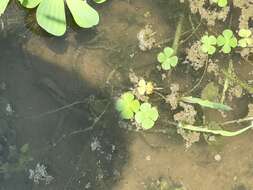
x=81, y=145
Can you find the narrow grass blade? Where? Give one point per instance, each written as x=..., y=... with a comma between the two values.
x=215, y=132
x=206, y=103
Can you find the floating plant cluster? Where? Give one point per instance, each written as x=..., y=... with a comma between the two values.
x=135, y=105
x=51, y=16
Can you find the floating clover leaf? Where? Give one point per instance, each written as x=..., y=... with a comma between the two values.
x=167, y=59
x=227, y=40
x=246, y=36
x=145, y=87
x=208, y=44
x=221, y=3
x=127, y=105
x=146, y=116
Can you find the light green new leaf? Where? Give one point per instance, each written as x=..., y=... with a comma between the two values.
x=213, y=131
x=84, y=15
x=244, y=33
x=127, y=105
x=167, y=59
x=221, y=3
x=146, y=116
x=208, y=44
x=227, y=40
x=50, y=16
x=29, y=3
x=206, y=103
x=246, y=36
x=3, y=5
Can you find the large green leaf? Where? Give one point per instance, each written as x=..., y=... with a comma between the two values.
x=84, y=15
x=3, y=5
x=29, y=3
x=206, y=103
x=51, y=16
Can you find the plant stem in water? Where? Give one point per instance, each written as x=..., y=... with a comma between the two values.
x=178, y=34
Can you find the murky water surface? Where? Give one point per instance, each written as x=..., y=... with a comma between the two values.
x=58, y=126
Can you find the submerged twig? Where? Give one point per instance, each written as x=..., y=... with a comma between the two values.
x=167, y=40
x=93, y=124
x=161, y=95
x=193, y=32
x=91, y=127
x=200, y=80
x=226, y=83
x=56, y=110
x=237, y=121
x=236, y=80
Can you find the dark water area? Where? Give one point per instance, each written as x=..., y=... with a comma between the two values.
x=59, y=129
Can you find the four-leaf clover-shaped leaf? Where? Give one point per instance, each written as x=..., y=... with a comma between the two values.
x=167, y=59
x=246, y=36
x=227, y=40
x=221, y=3
x=146, y=116
x=127, y=105
x=208, y=44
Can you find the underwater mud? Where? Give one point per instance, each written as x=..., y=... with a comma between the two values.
x=60, y=95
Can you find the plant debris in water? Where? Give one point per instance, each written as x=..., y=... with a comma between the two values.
x=40, y=174
x=146, y=38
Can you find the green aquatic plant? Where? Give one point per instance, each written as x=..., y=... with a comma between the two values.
x=208, y=44
x=221, y=3
x=127, y=105
x=51, y=17
x=206, y=103
x=146, y=116
x=167, y=58
x=227, y=40
x=3, y=5
x=22, y=160
x=246, y=38
x=214, y=131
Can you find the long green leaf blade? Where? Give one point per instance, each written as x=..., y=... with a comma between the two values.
x=51, y=16
x=206, y=103
x=29, y=3
x=3, y=5
x=84, y=15
x=215, y=132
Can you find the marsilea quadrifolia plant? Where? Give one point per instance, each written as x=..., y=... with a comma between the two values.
x=50, y=14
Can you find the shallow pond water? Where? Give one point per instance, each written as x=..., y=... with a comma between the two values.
x=60, y=95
